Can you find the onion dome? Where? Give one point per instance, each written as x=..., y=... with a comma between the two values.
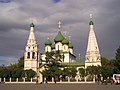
x=48, y=42
x=65, y=41
x=32, y=25
x=59, y=37
x=53, y=46
x=70, y=45
x=91, y=23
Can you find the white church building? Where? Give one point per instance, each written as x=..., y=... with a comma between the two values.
x=62, y=44
x=32, y=57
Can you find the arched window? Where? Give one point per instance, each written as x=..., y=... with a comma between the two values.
x=37, y=55
x=47, y=49
x=28, y=55
x=33, y=55
x=64, y=48
x=58, y=47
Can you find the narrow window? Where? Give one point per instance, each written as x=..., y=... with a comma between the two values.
x=28, y=55
x=33, y=55
x=37, y=56
x=58, y=47
x=47, y=49
x=64, y=48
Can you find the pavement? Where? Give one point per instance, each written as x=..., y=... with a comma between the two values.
x=58, y=87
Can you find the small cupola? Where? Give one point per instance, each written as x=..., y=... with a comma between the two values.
x=65, y=41
x=32, y=25
x=91, y=22
x=48, y=42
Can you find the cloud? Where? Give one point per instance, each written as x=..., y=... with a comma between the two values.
x=5, y=1
x=56, y=1
x=16, y=16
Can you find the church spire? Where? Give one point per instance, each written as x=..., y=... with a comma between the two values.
x=32, y=32
x=93, y=57
x=31, y=54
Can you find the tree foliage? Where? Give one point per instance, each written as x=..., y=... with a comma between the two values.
x=117, y=60
x=82, y=72
x=53, y=65
x=16, y=70
x=107, y=68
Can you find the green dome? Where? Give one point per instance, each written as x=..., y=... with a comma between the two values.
x=53, y=46
x=65, y=41
x=70, y=45
x=32, y=25
x=48, y=42
x=59, y=37
x=91, y=23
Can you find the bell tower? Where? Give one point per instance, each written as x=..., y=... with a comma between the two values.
x=93, y=57
x=31, y=54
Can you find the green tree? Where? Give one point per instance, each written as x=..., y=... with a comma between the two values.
x=69, y=71
x=1, y=72
x=28, y=74
x=82, y=72
x=6, y=73
x=66, y=72
x=117, y=57
x=107, y=68
x=20, y=64
x=17, y=73
x=53, y=65
x=92, y=70
x=73, y=72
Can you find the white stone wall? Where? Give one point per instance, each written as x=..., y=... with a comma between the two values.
x=47, y=48
x=66, y=57
x=58, y=46
x=92, y=64
x=65, y=48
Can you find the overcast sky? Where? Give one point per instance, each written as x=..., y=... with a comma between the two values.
x=16, y=15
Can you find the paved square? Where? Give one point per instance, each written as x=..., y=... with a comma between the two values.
x=58, y=87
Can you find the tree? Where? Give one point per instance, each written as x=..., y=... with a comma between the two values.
x=117, y=57
x=14, y=70
x=20, y=64
x=17, y=73
x=5, y=72
x=1, y=72
x=28, y=74
x=53, y=65
x=66, y=72
x=92, y=70
x=107, y=68
x=73, y=71
x=82, y=72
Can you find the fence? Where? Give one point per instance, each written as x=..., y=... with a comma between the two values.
x=33, y=80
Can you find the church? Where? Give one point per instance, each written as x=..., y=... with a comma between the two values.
x=33, y=58
x=62, y=44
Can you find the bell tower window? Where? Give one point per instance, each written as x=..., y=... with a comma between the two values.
x=33, y=55
x=28, y=55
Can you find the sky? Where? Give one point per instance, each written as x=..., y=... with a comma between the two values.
x=16, y=16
